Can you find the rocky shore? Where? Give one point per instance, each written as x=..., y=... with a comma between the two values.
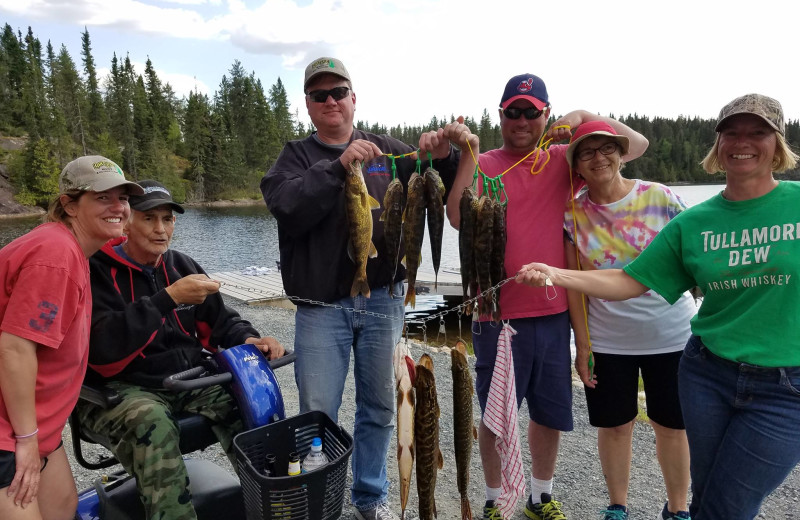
x=578, y=482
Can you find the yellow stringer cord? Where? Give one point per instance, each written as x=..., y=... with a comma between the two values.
x=578, y=261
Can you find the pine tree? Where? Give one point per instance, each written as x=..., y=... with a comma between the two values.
x=96, y=118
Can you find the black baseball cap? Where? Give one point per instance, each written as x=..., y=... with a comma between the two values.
x=155, y=195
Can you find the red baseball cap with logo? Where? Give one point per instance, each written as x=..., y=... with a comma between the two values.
x=525, y=86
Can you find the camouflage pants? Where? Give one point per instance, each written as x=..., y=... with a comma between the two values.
x=144, y=438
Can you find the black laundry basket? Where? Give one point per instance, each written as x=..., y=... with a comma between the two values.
x=317, y=495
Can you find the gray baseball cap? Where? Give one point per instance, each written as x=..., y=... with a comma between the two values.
x=325, y=65
x=766, y=108
x=94, y=173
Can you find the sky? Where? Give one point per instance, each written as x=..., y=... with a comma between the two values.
x=413, y=59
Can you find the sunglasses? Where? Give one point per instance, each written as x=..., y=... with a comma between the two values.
x=530, y=113
x=321, y=96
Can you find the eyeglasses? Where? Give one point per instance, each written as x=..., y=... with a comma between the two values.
x=321, y=96
x=587, y=154
x=530, y=113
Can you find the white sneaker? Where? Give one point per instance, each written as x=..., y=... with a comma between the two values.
x=382, y=512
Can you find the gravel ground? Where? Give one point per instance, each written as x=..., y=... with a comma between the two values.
x=578, y=483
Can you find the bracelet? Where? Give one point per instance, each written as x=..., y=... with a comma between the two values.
x=34, y=432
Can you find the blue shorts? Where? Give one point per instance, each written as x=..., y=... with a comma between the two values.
x=542, y=366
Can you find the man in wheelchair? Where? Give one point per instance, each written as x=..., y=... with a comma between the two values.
x=154, y=311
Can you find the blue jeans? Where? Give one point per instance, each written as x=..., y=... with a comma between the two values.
x=324, y=337
x=742, y=422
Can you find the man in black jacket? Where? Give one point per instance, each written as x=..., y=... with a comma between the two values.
x=154, y=311
x=304, y=190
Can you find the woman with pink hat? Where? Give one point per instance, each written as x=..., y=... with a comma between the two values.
x=608, y=225
x=740, y=371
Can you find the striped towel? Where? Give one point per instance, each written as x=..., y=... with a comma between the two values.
x=501, y=418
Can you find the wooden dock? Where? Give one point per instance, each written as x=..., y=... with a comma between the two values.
x=268, y=288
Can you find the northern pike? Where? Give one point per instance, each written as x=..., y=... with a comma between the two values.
x=484, y=228
x=464, y=430
x=392, y=218
x=468, y=208
x=434, y=191
x=359, y=205
x=404, y=373
x=426, y=437
x=413, y=233
x=498, y=270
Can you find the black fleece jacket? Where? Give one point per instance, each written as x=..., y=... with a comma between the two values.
x=139, y=334
x=304, y=191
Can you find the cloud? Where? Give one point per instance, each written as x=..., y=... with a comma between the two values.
x=124, y=15
x=412, y=59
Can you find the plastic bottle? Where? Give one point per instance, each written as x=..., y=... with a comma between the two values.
x=269, y=465
x=315, y=458
x=294, y=464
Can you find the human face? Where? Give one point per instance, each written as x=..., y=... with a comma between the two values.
x=333, y=119
x=600, y=168
x=522, y=135
x=97, y=216
x=746, y=146
x=149, y=234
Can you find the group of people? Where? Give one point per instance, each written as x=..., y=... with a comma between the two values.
x=608, y=257
x=573, y=221
x=98, y=286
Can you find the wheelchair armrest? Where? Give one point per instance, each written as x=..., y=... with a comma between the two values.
x=100, y=395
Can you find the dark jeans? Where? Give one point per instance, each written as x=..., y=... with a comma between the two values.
x=743, y=426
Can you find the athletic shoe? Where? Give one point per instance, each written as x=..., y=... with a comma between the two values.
x=615, y=512
x=490, y=511
x=382, y=512
x=549, y=509
x=667, y=515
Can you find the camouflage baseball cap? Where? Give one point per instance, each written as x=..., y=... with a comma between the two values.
x=94, y=173
x=325, y=66
x=766, y=108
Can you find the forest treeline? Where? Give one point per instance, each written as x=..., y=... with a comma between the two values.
x=217, y=147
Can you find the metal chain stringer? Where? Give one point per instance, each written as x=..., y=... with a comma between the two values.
x=460, y=308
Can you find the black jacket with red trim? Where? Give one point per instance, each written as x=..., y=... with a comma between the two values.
x=139, y=334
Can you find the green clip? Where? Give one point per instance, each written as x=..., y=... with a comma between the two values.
x=394, y=167
x=430, y=159
x=503, y=189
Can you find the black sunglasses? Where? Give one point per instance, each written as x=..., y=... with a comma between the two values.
x=530, y=113
x=321, y=96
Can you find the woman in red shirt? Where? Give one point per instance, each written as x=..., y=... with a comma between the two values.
x=45, y=318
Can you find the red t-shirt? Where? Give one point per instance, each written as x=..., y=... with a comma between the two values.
x=46, y=298
x=534, y=225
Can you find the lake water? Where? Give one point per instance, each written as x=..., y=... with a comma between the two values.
x=234, y=238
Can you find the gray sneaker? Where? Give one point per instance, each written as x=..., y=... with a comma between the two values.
x=382, y=512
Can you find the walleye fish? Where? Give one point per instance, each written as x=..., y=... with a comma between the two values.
x=464, y=430
x=484, y=228
x=426, y=437
x=413, y=233
x=359, y=205
x=404, y=374
x=468, y=208
x=498, y=269
x=434, y=191
x=392, y=218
